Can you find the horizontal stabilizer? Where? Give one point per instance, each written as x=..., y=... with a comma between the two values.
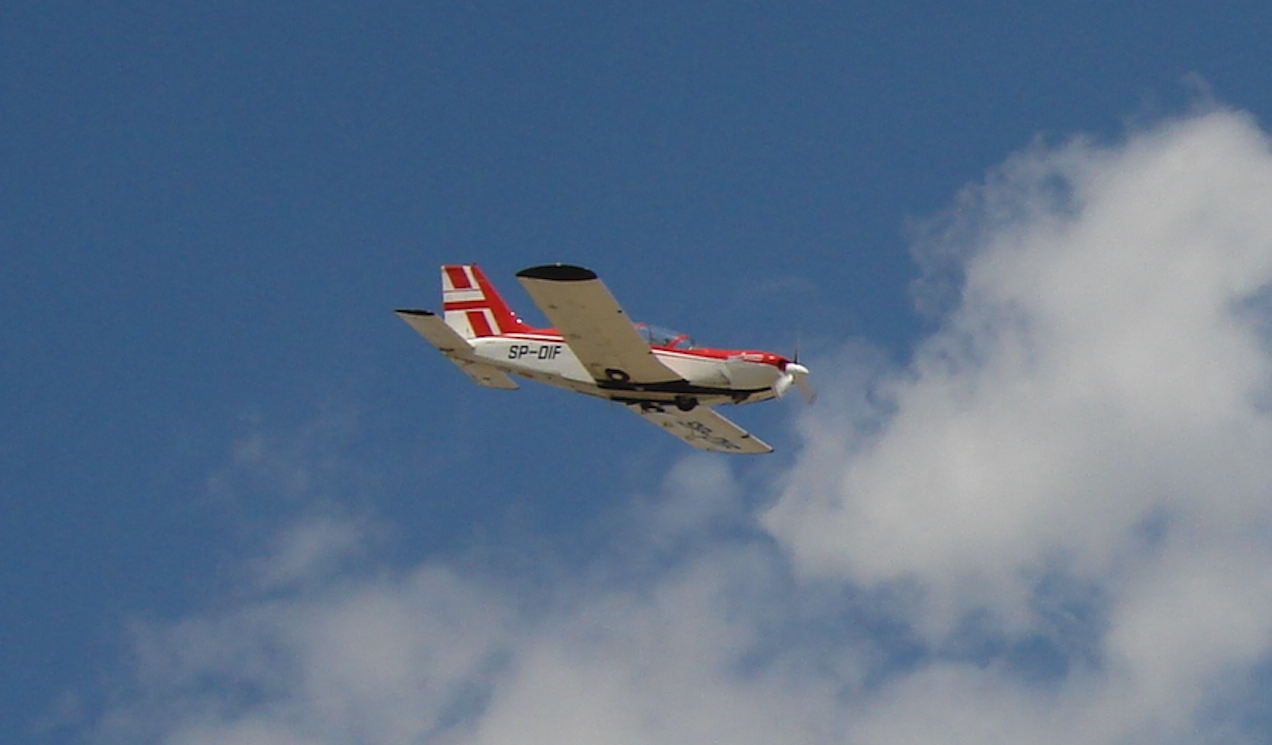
x=457, y=349
x=702, y=428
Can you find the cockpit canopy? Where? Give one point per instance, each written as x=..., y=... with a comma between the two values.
x=663, y=337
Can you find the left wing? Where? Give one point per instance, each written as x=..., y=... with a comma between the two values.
x=599, y=333
x=702, y=428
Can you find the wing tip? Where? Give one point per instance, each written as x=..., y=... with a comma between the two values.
x=414, y=312
x=557, y=273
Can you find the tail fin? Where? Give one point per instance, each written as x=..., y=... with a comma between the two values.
x=472, y=306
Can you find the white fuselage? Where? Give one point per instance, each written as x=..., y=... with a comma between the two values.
x=713, y=377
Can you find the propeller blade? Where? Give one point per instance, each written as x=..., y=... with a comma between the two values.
x=783, y=384
x=798, y=374
x=806, y=389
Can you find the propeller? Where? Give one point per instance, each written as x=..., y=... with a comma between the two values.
x=795, y=374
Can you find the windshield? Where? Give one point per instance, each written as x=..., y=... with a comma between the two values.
x=663, y=337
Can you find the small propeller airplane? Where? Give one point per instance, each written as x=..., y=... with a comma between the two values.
x=595, y=349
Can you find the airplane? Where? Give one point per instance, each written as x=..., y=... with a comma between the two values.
x=594, y=349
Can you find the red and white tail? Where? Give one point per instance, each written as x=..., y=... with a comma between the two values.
x=472, y=307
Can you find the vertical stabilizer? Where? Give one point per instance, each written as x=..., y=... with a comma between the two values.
x=471, y=305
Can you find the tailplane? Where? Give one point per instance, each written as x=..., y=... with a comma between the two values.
x=471, y=305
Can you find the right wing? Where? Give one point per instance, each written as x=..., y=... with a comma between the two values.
x=590, y=320
x=702, y=428
x=456, y=348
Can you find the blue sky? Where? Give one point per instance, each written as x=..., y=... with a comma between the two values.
x=210, y=211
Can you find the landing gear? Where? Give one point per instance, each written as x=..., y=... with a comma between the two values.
x=686, y=403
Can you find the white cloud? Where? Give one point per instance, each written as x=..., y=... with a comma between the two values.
x=313, y=549
x=1092, y=408
x=1053, y=525
x=390, y=659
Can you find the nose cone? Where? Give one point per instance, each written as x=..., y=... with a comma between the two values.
x=799, y=376
x=796, y=374
x=791, y=374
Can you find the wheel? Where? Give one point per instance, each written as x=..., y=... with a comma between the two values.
x=686, y=403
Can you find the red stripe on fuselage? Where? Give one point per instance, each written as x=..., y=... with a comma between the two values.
x=747, y=355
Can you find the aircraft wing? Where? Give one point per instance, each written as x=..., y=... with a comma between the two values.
x=702, y=428
x=456, y=348
x=599, y=333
